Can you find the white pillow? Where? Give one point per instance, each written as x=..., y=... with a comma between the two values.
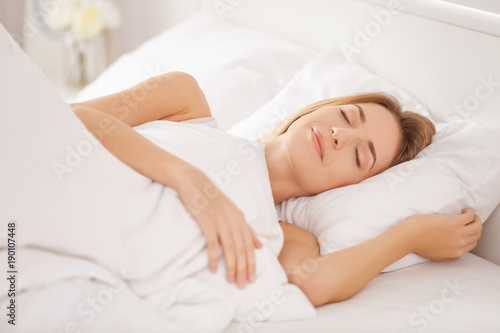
x=238, y=69
x=327, y=75
x=459, y=169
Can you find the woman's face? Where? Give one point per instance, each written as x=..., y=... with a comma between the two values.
x=342, y=145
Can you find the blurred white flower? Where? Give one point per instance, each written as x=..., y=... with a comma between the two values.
x=85, y=18
x=110, y=13
x=62, y=16
x=89, y=22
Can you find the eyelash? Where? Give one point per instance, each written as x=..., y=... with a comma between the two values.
x=358, y=163
x=345, y=117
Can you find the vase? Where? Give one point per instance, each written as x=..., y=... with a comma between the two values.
x=84, y=60
x=74, y=58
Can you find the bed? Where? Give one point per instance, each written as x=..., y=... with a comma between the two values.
x=246, y=53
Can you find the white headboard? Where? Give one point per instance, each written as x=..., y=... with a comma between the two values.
x=445, y=55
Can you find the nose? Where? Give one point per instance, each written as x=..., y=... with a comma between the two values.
x=341, y=136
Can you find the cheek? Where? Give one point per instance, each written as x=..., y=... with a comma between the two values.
x=343, y=170
x=300, y=147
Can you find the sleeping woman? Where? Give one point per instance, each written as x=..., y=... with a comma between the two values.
x=328, y=144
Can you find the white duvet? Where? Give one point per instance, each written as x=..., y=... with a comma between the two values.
x=101, y=248
x=135, y=234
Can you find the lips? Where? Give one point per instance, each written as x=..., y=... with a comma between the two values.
x=318, y=142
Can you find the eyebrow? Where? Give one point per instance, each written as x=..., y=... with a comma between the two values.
x=370, y=143
x=361, y=113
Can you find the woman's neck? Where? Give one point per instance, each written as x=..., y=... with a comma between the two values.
x=281, y=173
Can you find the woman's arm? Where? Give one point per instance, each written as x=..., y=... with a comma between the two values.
x=174, y=96
x=340, y=275
x=135, y=150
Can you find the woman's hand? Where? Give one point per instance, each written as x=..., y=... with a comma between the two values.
x=442, y=237
x=222, y=222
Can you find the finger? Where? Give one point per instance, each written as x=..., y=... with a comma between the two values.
x=466, y=216
x=250, y=252
x=466, y=210
x=471, y=239
x=471, y=246
x=256, y=241
x=241, y=258
x=229, y=257
x=474, y=227
x=212, y=249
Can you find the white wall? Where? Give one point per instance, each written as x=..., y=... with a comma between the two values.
x=145, y=19
x=10, y=13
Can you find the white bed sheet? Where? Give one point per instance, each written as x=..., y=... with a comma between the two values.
x=395, y=302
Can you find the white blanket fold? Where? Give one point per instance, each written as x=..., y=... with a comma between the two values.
x=85, y=220
x=139, y=231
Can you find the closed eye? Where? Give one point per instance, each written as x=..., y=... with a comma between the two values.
x=345, y=117
x=358, y=163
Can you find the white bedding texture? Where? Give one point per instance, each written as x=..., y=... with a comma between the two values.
x=238, y=69
x=101, y=248
x=111, y=225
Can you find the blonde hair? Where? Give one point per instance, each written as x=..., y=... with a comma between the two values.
x=416, y=130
